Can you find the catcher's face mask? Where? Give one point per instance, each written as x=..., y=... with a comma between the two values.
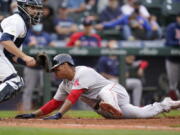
x=33, y=9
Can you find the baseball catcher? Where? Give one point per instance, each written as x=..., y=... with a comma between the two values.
x=107, y=98
x=13, y=31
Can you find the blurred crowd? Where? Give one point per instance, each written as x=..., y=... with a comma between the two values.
x=80, y=23
x=63, y=18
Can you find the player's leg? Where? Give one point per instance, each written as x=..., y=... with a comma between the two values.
x=136, y=86
x=102, y=108
x=173, y=78
x=109, y=96
x=10, y=81
x=10, y=86
x=128, y=110
x=106, y=104
x=131, y=111
x=31, y=78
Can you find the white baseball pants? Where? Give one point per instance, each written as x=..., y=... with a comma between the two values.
x=117, y=96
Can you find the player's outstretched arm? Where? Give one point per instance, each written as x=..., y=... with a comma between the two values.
x=70, y=100
x=65, y=107
x=44, y=110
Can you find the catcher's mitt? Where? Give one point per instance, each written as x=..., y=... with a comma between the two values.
x=43, y=61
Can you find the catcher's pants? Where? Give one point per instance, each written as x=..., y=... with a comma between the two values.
x=173, y=72
x=136, y=86
x=117, y=96
x=32, y=78
x=10, y=81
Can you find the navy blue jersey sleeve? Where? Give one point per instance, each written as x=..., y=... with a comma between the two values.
x=6, y=37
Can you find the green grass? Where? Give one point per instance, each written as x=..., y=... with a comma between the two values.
x=72, y=114
x=45, y=131
x=5, y=114
x=85, y=114
x=174, y=113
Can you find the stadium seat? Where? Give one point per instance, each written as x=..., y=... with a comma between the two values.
x=170, y=7
x=110, y=34
x=154, y=7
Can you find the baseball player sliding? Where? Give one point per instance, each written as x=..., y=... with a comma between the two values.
x=107, y=98
x=13, y=31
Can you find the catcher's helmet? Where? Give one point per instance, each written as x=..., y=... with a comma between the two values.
x=35, y=4
x=60, y=59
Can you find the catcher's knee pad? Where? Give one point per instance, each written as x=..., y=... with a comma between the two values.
x=10, y=87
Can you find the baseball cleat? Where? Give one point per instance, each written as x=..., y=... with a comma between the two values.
x=169, y=104
x=110, y=109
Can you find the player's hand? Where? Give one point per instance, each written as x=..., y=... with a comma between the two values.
x=25, y=116
x=30, y=61
x=54, y=117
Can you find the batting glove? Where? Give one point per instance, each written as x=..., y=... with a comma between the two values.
x=25, y=116
x=54, y=117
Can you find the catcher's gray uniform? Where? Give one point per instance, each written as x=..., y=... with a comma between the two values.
x=97, y=87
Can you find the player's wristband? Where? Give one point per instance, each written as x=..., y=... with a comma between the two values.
x=20, y=61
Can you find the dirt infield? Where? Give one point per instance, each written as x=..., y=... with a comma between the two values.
x=171, y=123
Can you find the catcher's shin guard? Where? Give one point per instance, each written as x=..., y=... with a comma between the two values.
x=10, y=87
